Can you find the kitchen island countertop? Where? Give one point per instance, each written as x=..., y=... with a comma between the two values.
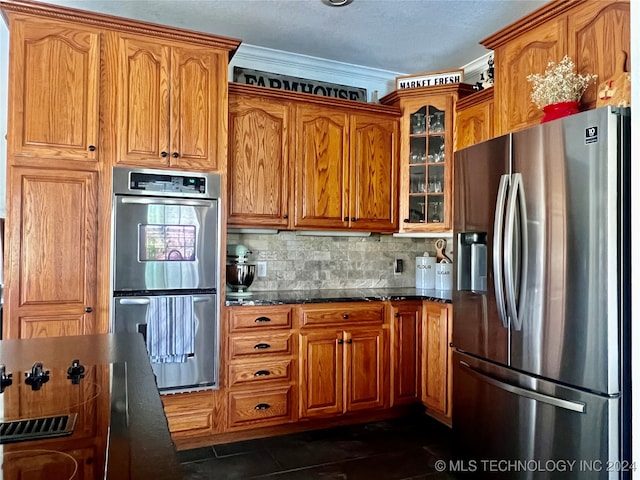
x=282, y=297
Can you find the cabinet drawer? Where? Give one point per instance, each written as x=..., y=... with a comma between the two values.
x=246, y=373
x=250, y=345
x=262, y=406
x=348, y=313
x=251, y=318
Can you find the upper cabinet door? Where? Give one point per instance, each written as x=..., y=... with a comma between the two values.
x=170, y=111
x=599, y=42
x=195, y=108
x=143, y=106
x=322, y=168
x=61, y=120
x=258, y=169
x=529, y=53
x=374, y=144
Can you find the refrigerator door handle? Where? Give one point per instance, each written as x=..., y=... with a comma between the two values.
x=498, y=223
x=516, y=193
x=524, y=392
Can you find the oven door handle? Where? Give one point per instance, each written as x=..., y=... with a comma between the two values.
x=145, y=301
x=189, y=202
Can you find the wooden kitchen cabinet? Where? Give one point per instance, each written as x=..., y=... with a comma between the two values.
x=474, y=119
x=261, y=367
x=374, y=173
x=51, y=252
x=79, y=463
x=343, y=357
x=67, y=74
x=322, y=171
x=54, y=85
x=191, y=414
x=260, y=139
x=437, y=360
x=426, y=155
x=345, y=175
x=406, y=318
x=591, y=33
x=304, y=162
x=171, y=104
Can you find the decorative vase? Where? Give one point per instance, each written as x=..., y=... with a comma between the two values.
x=559, y=110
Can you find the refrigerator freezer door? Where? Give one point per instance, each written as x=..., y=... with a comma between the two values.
x=499, y=414
x=478, y=327
x=569, y=318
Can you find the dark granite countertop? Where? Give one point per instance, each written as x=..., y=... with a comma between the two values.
x=140, y=446
x=340, y=295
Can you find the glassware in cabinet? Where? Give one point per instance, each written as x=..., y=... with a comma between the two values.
x=427, y=175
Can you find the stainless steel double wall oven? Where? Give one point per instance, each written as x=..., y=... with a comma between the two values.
x=166, y=271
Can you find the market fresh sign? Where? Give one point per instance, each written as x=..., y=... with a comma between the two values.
x=295, y=84
x=435, y=79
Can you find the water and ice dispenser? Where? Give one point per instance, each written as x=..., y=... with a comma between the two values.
x=472, y=261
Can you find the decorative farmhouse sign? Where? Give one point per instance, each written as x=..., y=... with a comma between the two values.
x=429, y=79
x=295, y=84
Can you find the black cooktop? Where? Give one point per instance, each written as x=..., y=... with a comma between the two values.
x=56, y=421
x=82, y=407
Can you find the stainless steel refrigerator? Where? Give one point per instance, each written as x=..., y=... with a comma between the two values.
x=541, y=301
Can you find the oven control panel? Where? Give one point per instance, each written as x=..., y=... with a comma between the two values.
x=167, y=183
x=145, y=182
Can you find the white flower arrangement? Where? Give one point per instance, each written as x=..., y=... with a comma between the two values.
x=560, y=83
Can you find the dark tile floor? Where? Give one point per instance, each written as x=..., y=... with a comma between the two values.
x=399, y=449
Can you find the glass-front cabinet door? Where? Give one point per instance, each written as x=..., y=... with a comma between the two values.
x=426, y=166
x=426, y=155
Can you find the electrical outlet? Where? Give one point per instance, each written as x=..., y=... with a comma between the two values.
x=262, y=269
x=398, y=266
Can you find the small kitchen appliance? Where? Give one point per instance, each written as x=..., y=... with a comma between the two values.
x=240, y=272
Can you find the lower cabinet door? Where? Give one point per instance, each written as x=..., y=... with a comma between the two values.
x=364, y=369
x=190, y=414
x=436, y=358
x=405, y=352
x=321, y=369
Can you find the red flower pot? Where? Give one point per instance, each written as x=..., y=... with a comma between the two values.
x=559, y=110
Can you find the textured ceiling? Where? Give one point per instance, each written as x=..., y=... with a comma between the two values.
x=404, y=36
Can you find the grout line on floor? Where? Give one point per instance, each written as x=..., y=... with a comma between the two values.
x=307, y=467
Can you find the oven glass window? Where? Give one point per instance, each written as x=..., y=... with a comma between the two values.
x=167, y=243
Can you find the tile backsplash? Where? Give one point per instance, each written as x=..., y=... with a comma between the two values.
x=296, y=262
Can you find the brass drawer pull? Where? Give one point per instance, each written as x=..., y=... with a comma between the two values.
x=262, y=373
x=262, y=406
x=261, y=346
x=262, y=320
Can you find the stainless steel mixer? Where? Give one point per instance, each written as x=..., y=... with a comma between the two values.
x=240, y=273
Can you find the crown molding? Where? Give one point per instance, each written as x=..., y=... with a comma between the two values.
x=289, y=63
x=473, y=69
